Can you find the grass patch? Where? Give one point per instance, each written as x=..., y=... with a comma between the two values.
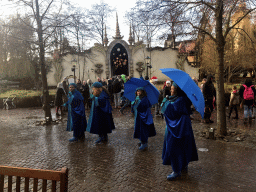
x=24, y=93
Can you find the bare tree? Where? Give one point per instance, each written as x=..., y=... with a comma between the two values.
x=98, y=16
x=219, y=13
x=44, y=14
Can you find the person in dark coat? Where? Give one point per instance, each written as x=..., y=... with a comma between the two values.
x=110, y=89
x=143, y=123
x=65, y=85
x=59, y=98
x=247, y=103
x=79, y=85
x=100, y=121
x=66, y=90
x=60, y=93
x=167, y=89
x=117, y=87
x=209, y=93
x=104, y=83
x=76, y=114
x=179, y=144
x=86, y=94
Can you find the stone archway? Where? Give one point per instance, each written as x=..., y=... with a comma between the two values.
x=119, y=60
x=119, y=48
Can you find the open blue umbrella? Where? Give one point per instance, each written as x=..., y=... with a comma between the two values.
x=184, y=81
x=131, y=86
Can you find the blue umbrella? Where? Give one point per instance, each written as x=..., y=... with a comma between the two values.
x=131, y=86
x=184, y=81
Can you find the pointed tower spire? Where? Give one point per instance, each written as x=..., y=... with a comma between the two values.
x=118, y=36
x=105, y=40
x=131, y=39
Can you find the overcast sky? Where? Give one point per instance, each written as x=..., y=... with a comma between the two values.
x=121, y=7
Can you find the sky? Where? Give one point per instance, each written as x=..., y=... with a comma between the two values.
x=8, y=7
x=121, y=7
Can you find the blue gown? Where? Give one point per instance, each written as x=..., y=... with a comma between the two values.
x=143, y=124
x=100, y=121
x=76, y=114
x=179, y=143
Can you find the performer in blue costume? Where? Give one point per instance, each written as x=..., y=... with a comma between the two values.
x=143, y=123
x=76, y=114
x=179, y=144
x=100, y=121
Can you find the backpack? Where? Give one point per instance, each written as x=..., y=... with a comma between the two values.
x=248, y=93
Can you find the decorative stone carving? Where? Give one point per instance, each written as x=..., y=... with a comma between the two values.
x=98, y=65
x=98, y=71
x=140, y=68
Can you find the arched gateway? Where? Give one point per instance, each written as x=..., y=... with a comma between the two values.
x=119, y=60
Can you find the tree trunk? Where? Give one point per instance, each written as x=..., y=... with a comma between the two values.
x=46, y=105
x=221, y=113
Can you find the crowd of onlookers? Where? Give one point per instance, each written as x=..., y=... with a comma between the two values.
x=115, y=87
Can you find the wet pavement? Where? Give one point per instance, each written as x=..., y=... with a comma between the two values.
x=119, y=165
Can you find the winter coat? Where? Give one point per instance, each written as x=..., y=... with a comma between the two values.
x=59, y=97
x=234, y=98
x=117, y=87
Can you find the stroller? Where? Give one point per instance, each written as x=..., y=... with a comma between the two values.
x=9, y=102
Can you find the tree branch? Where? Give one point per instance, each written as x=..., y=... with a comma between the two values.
x=238, y=21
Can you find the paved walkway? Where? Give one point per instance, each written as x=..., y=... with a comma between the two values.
x=119, y=165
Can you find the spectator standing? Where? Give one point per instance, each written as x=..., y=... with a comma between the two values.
x=104, y=83
x=65, y=85
x=234, y=102
x=86, y=94
x=126, y=101
x=202, y=84
x=79, y=85
x=60, y=94
x=209, y=93
x=247, y=93
x=110, y=88
x=167, y=89
x=156, y=106
x=117, y=88
x=66, y=90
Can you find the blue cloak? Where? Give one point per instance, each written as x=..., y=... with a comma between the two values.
x=100, y=120
x=143, y=123
x=76, y=114
x=179, y=143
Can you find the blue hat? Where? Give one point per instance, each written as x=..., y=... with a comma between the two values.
x=174, y=84
x=97, y=85
x=140, y=88
x=73, y=84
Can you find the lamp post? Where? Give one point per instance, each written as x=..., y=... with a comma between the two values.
x=73, y=63
x=147, y=59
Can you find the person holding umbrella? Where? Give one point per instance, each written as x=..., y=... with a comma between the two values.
x=143, y=125
x=179, y=144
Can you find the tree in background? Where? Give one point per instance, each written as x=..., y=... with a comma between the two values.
x=45, y=15
x=219, y=13
x=15, y=47
x=98, y=16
